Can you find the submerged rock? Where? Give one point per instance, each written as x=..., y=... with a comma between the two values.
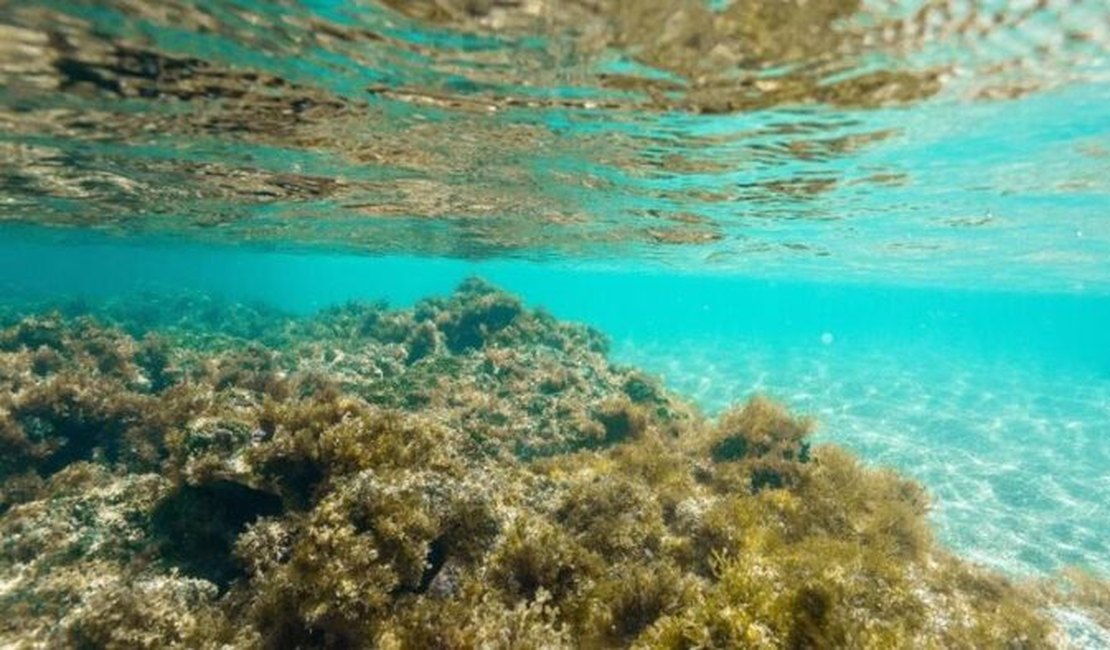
x=467, y=473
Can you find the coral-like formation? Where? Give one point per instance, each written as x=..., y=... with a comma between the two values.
x=466, y=473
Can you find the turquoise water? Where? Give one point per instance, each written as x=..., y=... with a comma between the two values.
x=998, y=401
x=892, y=216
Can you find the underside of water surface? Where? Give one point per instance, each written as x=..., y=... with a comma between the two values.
x=538, y=324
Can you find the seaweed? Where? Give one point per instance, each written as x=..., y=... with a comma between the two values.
x=153, y=357
x=466, y=473
x=195, y=527
x=538, y=560
x=148, y=614
x=768, y=443
x=487, y=312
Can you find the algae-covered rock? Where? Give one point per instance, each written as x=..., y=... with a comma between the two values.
x=466, y=473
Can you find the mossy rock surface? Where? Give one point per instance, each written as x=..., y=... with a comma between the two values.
x=464, y=474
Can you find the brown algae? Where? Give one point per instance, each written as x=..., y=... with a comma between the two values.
x=467, y=473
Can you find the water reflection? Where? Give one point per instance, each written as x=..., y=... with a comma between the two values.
x=478, y=127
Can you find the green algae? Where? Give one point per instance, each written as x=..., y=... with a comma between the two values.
x=467, y=473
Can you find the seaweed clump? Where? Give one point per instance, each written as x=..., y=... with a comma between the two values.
x=466, y=473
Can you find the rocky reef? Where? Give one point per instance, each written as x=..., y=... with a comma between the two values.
x=466, y=473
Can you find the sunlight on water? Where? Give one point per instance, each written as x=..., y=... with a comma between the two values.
x=945, y=141
x=892, y=216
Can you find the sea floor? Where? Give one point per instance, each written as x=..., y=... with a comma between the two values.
x=465, y=473
x=997, y=401
x=1014, y=455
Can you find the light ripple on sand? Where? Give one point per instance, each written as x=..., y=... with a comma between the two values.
x=1014, y=454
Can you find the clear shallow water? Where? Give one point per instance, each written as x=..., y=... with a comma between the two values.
x=894, y=216
x=999, y=402
x=1014, y=455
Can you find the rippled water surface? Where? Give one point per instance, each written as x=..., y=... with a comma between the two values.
x=942, y=141
x=892, y=215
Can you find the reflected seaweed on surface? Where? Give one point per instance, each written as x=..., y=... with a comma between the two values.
x=480, y=129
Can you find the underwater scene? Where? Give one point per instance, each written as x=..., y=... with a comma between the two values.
x=530, y=324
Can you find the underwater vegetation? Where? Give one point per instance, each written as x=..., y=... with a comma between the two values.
x=466, y=473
